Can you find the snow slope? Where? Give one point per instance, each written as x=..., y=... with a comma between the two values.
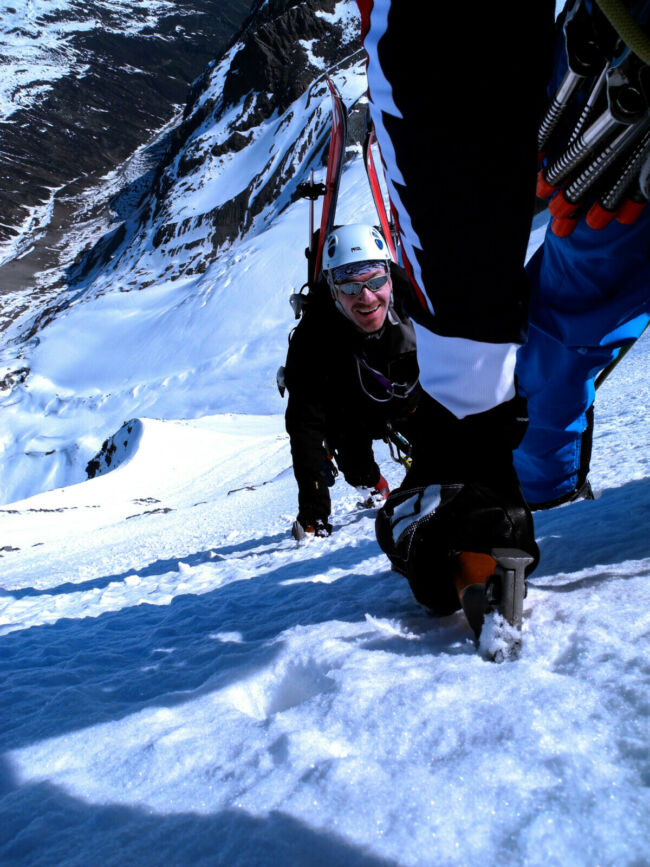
x=183, y=684
x=164, y=309
x=183, y=348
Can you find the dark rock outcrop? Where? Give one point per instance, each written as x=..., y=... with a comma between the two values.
x=282, y=52
x=262, y=105
x=87, y=124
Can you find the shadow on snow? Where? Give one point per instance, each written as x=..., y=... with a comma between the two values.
x=160, y=567
x=602, y=532
x=41, y=824
x=76, y=673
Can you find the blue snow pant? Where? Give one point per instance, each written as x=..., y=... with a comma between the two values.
x=590, y=297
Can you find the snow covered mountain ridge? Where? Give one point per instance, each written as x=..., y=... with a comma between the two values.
x=257, y=121
x=83, y=84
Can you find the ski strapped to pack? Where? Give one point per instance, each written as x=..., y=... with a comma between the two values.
x=328, y=191
x=313, y=190
x=596, y=172
x=387, y=227
x=335, y=156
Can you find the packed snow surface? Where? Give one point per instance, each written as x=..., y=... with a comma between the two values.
x=183, y=684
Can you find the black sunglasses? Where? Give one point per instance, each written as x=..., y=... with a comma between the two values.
x=374, y=284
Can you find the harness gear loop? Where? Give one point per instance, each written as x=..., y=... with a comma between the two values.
x=399, y=390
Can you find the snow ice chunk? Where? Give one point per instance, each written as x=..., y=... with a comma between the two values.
x=499, y=639
x=392, y=627
x=227, y=637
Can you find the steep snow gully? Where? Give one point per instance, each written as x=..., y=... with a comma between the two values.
x=180, y=682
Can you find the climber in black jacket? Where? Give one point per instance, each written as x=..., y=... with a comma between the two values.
x=351, y=368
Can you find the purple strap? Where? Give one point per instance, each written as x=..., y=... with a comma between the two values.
x=387, y=384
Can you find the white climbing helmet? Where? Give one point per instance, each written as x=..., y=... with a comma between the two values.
x=358, y=242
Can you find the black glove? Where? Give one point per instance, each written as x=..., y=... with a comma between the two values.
x=330, y=471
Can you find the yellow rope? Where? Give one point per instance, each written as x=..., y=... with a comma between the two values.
x=626, y=27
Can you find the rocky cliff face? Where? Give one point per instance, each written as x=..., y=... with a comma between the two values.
x=254, y=122
x=142, y=323
x=82, y=85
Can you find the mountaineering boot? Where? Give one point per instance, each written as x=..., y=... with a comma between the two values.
x=311, y=529
x=443, y=537
x=504, y=593
x=459, y=504
x=492, y=583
